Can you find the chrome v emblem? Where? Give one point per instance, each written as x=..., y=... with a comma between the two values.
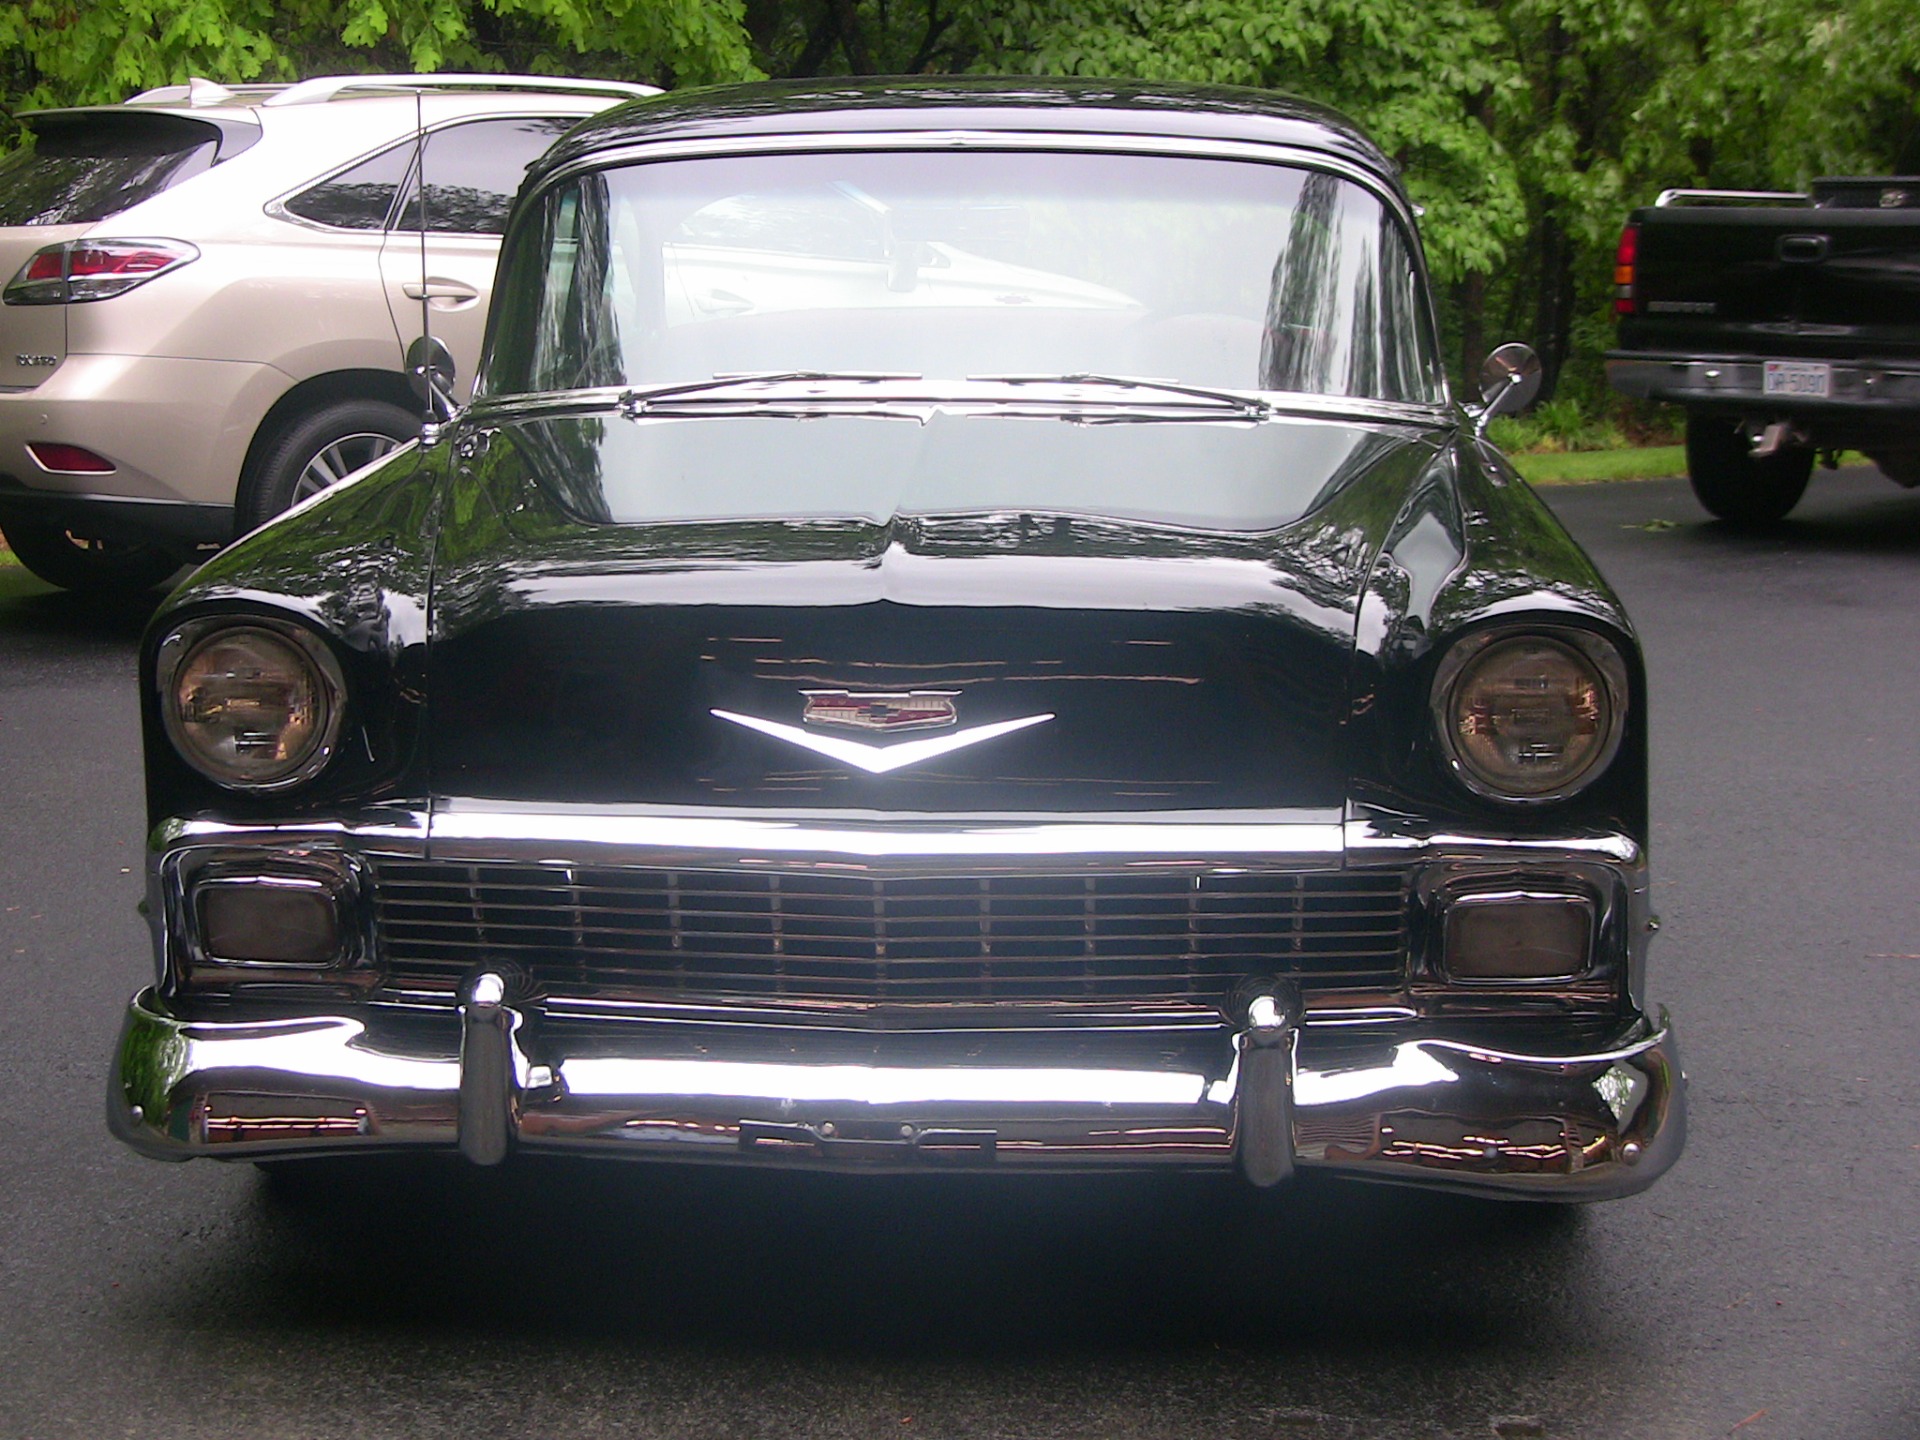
x=879, y=759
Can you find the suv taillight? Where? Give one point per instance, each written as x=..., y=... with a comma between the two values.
x=93, y=270
x=1624, y=260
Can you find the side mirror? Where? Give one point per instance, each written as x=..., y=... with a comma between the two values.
x=430, y=371
x=1509, y=380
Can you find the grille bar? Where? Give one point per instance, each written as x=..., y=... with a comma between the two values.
x=744, y=935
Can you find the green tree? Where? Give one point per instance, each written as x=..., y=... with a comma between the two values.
x=1526, y=128
x=66, y=52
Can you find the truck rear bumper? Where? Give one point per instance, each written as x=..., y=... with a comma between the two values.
x=1265, y=1097
x=1860, y=390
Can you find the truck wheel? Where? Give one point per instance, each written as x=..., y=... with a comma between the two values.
x=88, y=567
x=1735, y=486
x=318, y=449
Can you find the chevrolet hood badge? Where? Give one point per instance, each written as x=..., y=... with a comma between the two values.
x=908, y=710
x=879, y=759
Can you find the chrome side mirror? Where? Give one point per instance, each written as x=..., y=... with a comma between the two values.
x=430, y=372
x=1509, y=380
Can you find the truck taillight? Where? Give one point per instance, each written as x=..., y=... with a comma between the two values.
x=1624, y=259
x=93, y=270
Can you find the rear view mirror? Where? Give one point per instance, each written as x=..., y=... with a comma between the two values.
x=1509, y=380
x=430, y=371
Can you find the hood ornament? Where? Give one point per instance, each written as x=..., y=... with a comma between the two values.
x=913, y=710
x=902, y=710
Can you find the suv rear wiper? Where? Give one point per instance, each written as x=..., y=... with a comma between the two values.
x=1251, y=408
x=635, y=403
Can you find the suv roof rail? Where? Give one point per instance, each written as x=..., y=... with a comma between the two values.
x=1732, y=197
x=201, y=91
x=326, y=87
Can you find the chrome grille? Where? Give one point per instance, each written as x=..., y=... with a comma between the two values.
x=734, y=934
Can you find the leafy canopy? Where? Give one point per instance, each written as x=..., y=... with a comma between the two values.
x=1526, y=128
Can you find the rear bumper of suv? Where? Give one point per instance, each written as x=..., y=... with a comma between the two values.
x=175, y=524
x=176, y=432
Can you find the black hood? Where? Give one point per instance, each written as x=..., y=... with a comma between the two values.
x=1177, y=597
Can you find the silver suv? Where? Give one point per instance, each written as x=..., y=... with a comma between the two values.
x=209, y=292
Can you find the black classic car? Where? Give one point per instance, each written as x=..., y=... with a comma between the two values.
x=962, y=627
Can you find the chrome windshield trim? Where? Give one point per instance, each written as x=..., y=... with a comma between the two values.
x=641, y=150
x=1249, y=407
x=1065, y=396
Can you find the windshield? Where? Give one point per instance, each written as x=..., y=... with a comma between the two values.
x=951, y=264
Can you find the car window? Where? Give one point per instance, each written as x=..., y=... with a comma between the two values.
x=82, y=168
x=825, y=221
x=474, y=171
x=360, y=198
x=960, y=263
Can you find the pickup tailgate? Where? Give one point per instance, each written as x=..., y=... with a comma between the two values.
x=1832, y=283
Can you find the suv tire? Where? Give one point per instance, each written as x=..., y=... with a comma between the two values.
x=317, y=450
x=1735, y=486
x=88, y=567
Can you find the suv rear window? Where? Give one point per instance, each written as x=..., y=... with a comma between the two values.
x=83, y=168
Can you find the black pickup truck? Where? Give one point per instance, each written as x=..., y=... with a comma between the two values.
x=1788, y=325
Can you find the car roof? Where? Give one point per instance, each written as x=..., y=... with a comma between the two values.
x=1036, y=105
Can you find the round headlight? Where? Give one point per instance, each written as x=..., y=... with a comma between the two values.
x=251, y=707
x=1530, y=717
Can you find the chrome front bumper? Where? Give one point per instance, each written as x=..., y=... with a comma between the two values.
x=1265, y=1096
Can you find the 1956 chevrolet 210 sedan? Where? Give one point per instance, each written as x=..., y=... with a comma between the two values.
x=962, y=627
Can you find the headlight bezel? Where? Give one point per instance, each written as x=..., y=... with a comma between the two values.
x=1600, y=656
x=187, y=640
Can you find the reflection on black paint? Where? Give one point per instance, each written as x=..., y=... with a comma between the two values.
x=579, y=661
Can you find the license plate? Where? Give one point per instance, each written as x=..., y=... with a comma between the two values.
x=1808, y=379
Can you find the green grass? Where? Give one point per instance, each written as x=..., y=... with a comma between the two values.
x=1580, y=467
x=17, y=582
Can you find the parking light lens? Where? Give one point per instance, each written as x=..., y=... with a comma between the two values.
x=252, y=707
x=270, y=921
x=1518, y=935
x=83, y=270
x=1530, y=717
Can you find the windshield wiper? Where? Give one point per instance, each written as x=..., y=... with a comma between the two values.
x=1251, y=408
x=635, y=403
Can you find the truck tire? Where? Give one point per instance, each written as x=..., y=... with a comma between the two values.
x=317, y=449
x=1735, y=486
x=88, y=567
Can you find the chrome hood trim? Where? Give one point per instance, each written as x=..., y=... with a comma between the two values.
x=469, y=830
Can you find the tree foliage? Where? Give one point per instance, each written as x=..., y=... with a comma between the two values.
x=1526, y=128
